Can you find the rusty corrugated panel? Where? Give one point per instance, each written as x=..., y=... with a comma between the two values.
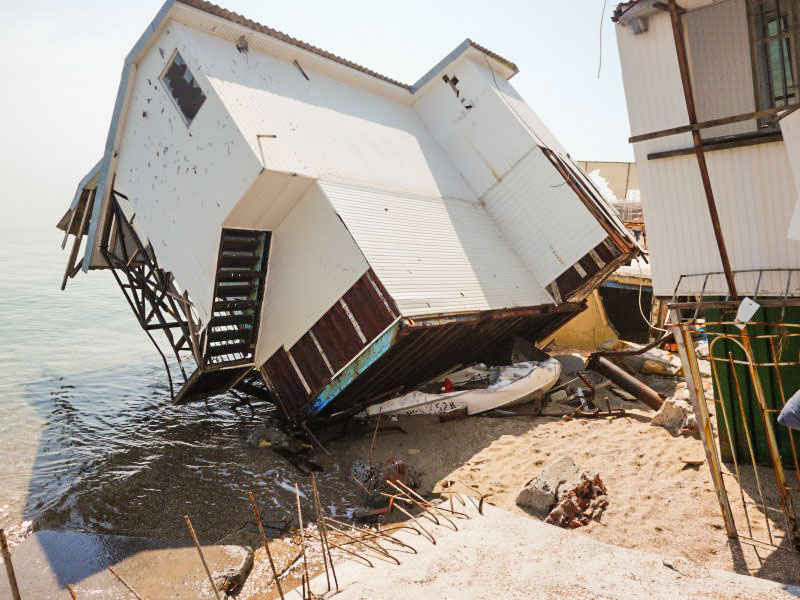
x=285, y=382
x=310, y=362
x=368, y=308
x=389, y=300
x=337, y=336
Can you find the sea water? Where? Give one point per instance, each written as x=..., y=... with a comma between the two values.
x=89, y=439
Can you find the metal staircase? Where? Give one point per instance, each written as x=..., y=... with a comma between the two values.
x=229, y=341
x=238, y=292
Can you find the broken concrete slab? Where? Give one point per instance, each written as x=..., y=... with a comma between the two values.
x=503, y=555
x=49, y=560
x=539, y=494
x=673, y=415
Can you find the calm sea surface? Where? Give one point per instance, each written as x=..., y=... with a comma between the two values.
x=88, y=437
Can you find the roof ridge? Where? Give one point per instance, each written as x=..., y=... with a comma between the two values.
x=224, y=13
x=218, y=11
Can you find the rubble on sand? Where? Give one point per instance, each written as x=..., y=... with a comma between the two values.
x=581, y=503
x=539, y=494
x=579, y=496
x=373, y=478
x=676, y=416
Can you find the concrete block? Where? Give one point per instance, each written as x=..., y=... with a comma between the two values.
x=539, y=494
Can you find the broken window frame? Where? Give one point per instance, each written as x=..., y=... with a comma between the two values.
x=452, y=82
x=774, y=27
x=191, y=82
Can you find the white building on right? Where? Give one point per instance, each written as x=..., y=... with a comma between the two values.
x=711, y=88
x=741, y=58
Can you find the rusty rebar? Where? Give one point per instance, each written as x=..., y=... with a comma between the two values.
x=375, y=548
x=374, y=439
x=429, y=504
x=12, y=578
x=425, y=532
x=266, y=542
x=123, y=582
x=373, y=533
x=200, y=552
x=302, y=539
x=324, y=529
x=319, y=529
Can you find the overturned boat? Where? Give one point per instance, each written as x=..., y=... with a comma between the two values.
x=476, y=390
x=304, y=228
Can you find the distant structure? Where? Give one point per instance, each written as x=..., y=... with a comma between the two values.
x=278, y=210
x=621, y=189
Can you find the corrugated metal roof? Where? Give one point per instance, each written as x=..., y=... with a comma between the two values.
x=218, y=11
x=321, y=128
x=435, y=255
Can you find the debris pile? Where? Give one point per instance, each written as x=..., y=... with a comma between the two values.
x=580, y=504
x=374, y=480
x=539, y=494
x=578, y=496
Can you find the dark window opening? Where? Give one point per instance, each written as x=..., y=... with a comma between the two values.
x=775, y=44
x=453, y=82
x=182, y=86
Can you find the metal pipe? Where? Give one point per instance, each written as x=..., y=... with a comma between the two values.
x=697, y=139
x=12, y=579
x=691, y=371
x=644, y=393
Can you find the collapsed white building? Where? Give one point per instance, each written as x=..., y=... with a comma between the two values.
x=278, y=210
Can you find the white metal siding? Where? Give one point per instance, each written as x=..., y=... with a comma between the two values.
x=268, y=201
x=485, y=141
x=171, y=172
x=752, y=185
x=718, y=43
x=542, y=218
x=652, y=82
x=435, y=255
x=790, y=128
x=754, y=193
x=313, y=262
x=323, y=127
x=495, y=144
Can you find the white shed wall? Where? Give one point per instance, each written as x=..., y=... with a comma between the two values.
x=435, y=255
x=495, y=144
x=721, y=87
x=752, y=185
x=324, y=128
x=484, y=142
x=313, y=262
x=170, y=172
x=542, y=218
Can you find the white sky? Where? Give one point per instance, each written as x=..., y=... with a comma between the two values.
x=60, y=63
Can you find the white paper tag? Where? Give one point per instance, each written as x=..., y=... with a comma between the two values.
x=747, y=309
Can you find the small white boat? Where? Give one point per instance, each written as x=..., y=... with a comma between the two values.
x=509, y=385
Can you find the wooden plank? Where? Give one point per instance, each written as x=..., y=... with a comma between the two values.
x=722, y=143
x=77, y=243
